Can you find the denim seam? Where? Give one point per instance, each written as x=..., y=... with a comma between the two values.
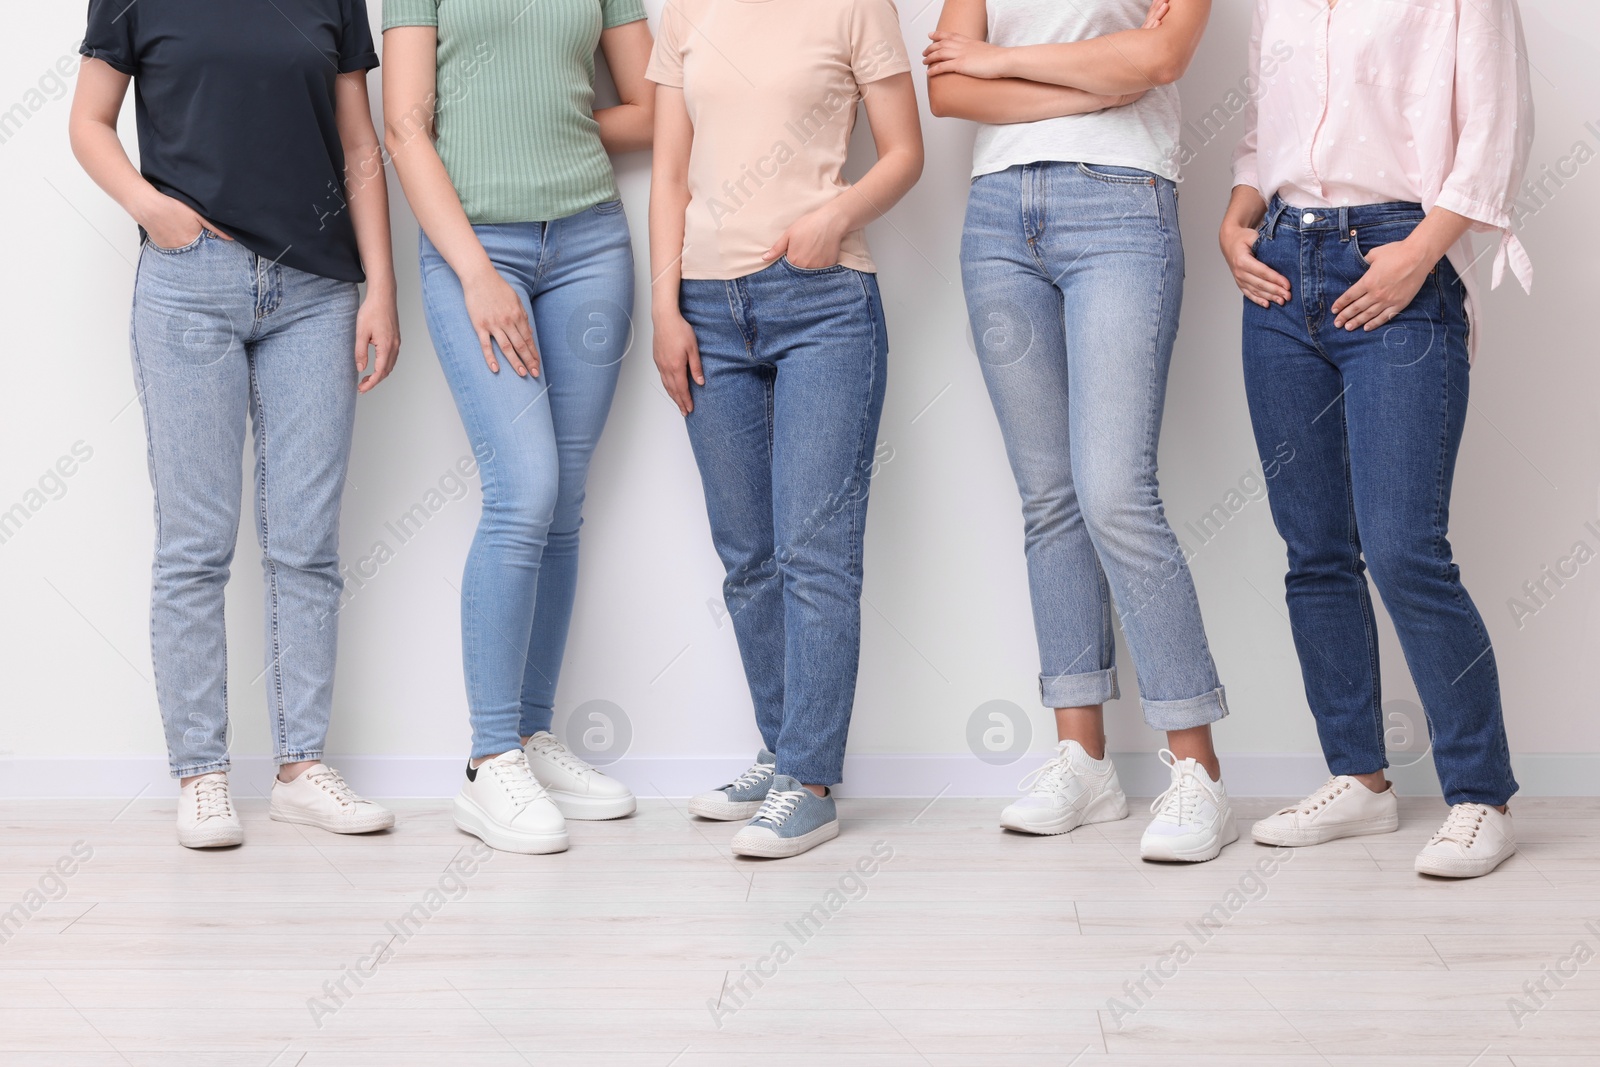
x=1362, y=591
x=859, y=511
x=275, y=667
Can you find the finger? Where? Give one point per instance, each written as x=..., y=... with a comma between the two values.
x=673, y=382
x=695, y=369
x=1350, y=296
x=508, y=349
x=1254, y=273
x=381, y=366
x=1381, y=317
x=488, y=351
x=363, y=342
x=527, y=349
x=1358, y=313
x=778, y=248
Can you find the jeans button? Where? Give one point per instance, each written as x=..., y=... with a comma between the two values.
x=1308, y=218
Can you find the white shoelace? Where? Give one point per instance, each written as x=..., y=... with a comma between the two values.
x=211, y=799
x=778, y=806
x=330, y=782
x=516, y=778
x=757, y=774
x=551, y=746
x=1461, y=825
x=1184, y=795
x=1046, y=780
x=1319, y=799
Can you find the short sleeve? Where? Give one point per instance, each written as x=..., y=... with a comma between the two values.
x=666, y=58
x=877, y=47
x=109, y=35
x=356, y=51
x=620, y=12
x=410, y=13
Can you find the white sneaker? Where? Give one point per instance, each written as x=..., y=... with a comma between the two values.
x=1343, y=807
x=1474, y=840
x=580, y=791
x=1071, y=790
x=502, y=803
x=1193, y=817
x=319, y=797
x=206, y=815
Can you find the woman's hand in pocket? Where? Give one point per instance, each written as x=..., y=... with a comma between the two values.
x=1394, y=276
x=1258, y=282
x=500, y=319
x=677, y=356
x=170, y=223
x=812, y=243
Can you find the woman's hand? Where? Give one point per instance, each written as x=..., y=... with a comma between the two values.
x=813, y=241
x=170, y=223
x=500, y=319
x=377, y=327
x=1258, y=282
x=677, y=356
x=1158, y=11
x=1395, y=274
x=956, y=53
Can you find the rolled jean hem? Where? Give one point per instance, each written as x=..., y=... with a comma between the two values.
x=827, y=777
x=310, y=755
x=1078, y=690
x=1186, y=714
x=224, y=765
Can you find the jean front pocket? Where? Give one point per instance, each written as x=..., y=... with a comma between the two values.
x=1117, y=175
x=837, y=268
x=1364, y=239
x=190, y=247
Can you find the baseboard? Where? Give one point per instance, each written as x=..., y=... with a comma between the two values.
x=1248, y=775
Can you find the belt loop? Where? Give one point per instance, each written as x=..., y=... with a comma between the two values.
x=1274, y=212
x=1344, y=225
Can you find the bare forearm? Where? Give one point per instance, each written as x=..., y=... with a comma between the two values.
x=1127, y=62
x=438, y=209
x=99, y=151
x=626, y=127
x=368, y=194
x=1006, y=100
x=669, y=202
x=879, y=189
x=1438, y=233
x=1245, y=207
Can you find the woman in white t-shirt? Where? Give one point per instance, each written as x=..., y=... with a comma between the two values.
x=1073, y=268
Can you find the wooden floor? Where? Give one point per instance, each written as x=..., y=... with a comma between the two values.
x=967, y=946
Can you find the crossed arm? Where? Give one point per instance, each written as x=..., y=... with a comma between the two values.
x=970, y=78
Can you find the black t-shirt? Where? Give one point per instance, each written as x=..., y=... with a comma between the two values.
x=235, y=102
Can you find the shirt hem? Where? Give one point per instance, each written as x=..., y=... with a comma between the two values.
x=1171, y=174
x=859, y=263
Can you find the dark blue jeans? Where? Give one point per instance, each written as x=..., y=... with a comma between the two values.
x=784, y=432
x=1372, y=422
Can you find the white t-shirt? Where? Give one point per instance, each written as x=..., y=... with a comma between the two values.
x=1143, y=135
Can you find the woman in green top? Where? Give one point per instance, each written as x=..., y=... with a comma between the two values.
x=526, y=260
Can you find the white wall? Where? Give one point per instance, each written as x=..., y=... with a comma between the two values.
x=946, y=624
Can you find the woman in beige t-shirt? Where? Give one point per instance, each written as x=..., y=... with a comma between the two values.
x=769, y=336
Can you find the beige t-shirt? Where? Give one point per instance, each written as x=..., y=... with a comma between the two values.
x=771, y=87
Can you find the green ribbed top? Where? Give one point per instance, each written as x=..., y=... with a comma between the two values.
x=515, y=112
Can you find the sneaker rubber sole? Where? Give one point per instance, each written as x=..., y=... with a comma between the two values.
x=1297, y=837
x=475, y=821
x=1162, y=850
x=772, y=847
x=719, y=807
x=213, y=838
x=1110, y=808
x=593, y=809
x=367, y=824
x=1447, y=867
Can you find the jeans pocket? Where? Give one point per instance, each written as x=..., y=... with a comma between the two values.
x=607, y=207
x=190, y=247
x=1117, y=175
x=1364, y=239
x=837, y=268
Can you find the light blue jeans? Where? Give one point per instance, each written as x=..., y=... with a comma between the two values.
x=533, y=438
x=784, y=432
x=220, y=335
x=1074, y=278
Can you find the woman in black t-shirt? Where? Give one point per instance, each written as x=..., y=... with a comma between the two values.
x=261, y=204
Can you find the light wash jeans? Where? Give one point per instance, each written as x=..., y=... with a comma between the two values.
x=784, y=432
x=1373, y=421
x=218, y=335
x=1074, y=277
x=533, y=438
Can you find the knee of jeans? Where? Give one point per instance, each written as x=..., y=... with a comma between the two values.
x=519, y=503
x=813, y=571
x=1407, y=566
x=1048, y=511
x=1120, y=514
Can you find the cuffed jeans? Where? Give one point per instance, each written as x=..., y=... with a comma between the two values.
x=220, y=335
x=784, y=432
x=1374, y=421
x=533, y=439
x=1074, y=278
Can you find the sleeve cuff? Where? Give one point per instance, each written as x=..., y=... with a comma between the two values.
x=661, y=77
x=1246, y=174
x=1487, y=216
x=611, y=24
x=115, y=62
x=361, y=61
x=888, y=70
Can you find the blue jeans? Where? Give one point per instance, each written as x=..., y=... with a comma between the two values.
x=1373, y=422
x=533, y=438
x=784, y=432
x=1074, y=278
x=219, y=336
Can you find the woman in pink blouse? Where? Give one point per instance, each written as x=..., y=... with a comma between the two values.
x=1394, y=130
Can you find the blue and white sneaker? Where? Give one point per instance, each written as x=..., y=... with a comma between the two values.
x=792, y=820
x=740, y=798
